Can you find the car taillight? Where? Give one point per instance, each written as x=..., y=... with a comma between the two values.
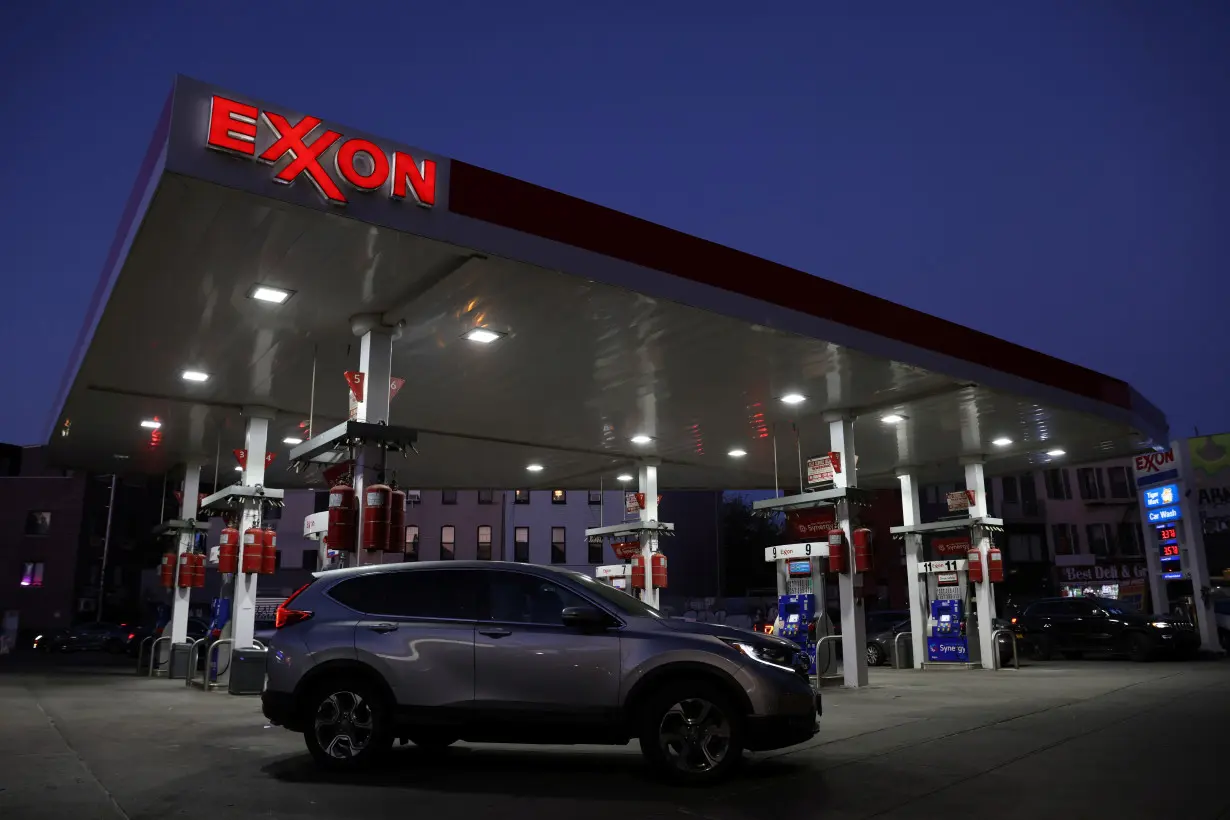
x=285, y=616
x=1014, y=620
x=131, y=635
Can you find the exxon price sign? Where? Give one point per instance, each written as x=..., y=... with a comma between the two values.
x=1154, y=468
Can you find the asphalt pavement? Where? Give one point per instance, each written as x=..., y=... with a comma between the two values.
x=83, y=737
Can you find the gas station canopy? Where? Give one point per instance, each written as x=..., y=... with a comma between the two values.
x=602, y=328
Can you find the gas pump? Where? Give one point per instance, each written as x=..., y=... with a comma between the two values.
x=801, y=616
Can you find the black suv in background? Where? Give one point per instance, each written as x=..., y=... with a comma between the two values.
x=1074, y=626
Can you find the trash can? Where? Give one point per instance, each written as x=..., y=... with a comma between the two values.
x=247, y=671
x=179, y=660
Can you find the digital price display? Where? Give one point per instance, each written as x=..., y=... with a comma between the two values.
x=1167, y=534
x=799, y=569
x=1168, y=552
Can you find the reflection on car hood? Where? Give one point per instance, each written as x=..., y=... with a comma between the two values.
x=723, y=631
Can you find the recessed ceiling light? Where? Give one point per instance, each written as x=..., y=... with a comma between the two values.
x=794, y=398
x=1056, y=453
x=291, y=440
x=194, y=376
x=892, y=418
x=483, y=336
x=264, y=293
x=151, y=424
x=624, y=477
x=737, y=453
x=534, y=468
x=1001, y=442
x=641, y=439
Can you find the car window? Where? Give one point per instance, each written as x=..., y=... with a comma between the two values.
x=1043, y=608
x=433, y=593
x=617, y=598
x=519, y=598
x=1082, y=606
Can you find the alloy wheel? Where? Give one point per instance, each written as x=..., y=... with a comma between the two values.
x=343, y=725
x=694, y=735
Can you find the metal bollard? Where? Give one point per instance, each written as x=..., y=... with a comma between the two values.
x=193, y=653
x=141, y=651
x=212, y=684
x=153, y=655
x=1016, y=661
x=897, y=648
x=819, y=644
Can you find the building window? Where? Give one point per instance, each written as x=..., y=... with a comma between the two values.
x=559, y=551
x=448, y=496
x=447, y=542
x=521, y=497
x=320, y=501
x=38, y=522
x=310, y=559
x=486, y=496
x=1010, y=493
x=412, y=543
x=1099, y=543
x=1119, y=485
x=595, y=498
x=1058, y=486
x=1026, y=547
x=1066, y=539
x=1090, y=481
x=414, y=497
x=32, y=574
x=1130, y=542
x=484, y=543
x=595, y=550
x=521, y=544
x=559, y=497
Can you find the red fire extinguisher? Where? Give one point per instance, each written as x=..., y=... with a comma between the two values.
x=995, y=565
x=377, y=512
x=973, y=560
x=837, y=551
x=658, y=562
x=269, y=555
x=198, y=569
x=397, y=522
x=638, y=572
x=228, y=549
x=342, y=514
x=864, y=557
x=185, y=570
x=253, y=549
x=168, y=569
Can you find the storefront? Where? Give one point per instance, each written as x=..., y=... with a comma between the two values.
x=1122, y=580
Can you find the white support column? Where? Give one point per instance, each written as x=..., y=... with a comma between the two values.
x=850, y=583
x=178, y=627
x=985, y=591
x=911, y=516
x=1192, y=555
x=243, y=602
x=376, y=363
x=648, y=485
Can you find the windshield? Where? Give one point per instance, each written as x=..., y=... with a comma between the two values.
x=617, y=598
x=1116, y=607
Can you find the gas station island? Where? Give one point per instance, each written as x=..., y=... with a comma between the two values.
x=332, y=309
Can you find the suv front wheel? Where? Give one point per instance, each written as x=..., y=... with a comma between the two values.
x=348, y=724
x=691, y=732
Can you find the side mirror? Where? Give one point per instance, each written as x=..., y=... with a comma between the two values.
x=584, y=617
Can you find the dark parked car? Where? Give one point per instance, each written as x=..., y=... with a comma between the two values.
x=1074, y=626
x=882, y=629
x=134, y=637
x=83, y=638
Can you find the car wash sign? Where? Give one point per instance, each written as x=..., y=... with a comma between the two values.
x=337, y=166
x=1154, y=468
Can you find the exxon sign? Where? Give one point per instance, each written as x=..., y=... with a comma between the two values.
x=359, y=164
x=1154, y=468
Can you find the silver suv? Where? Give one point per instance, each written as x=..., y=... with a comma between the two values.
x=500, y=652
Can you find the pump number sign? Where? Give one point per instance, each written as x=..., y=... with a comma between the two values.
x=789, y=551
x=954, y=565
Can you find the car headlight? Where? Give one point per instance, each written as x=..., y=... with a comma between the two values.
x=780, y=657
x=1161, y=624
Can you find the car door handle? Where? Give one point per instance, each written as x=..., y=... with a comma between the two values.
x=495, y=632
x=382, y=628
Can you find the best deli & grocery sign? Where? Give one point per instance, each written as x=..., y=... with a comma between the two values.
x=358, y=164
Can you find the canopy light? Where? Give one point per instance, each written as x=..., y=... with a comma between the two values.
x=641, y=439
x=264, y=293
x=892, y=418
x=151, y=424
x=624, y=477
x=291, y=440
x=794, y=398
x=534, y=468
x=737, y=453
x=1001, y=442
x=1056, y=453
x=194, y=376
x=483, y=336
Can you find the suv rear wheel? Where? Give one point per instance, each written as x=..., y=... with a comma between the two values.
x=691, y=732
x=348, y=724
